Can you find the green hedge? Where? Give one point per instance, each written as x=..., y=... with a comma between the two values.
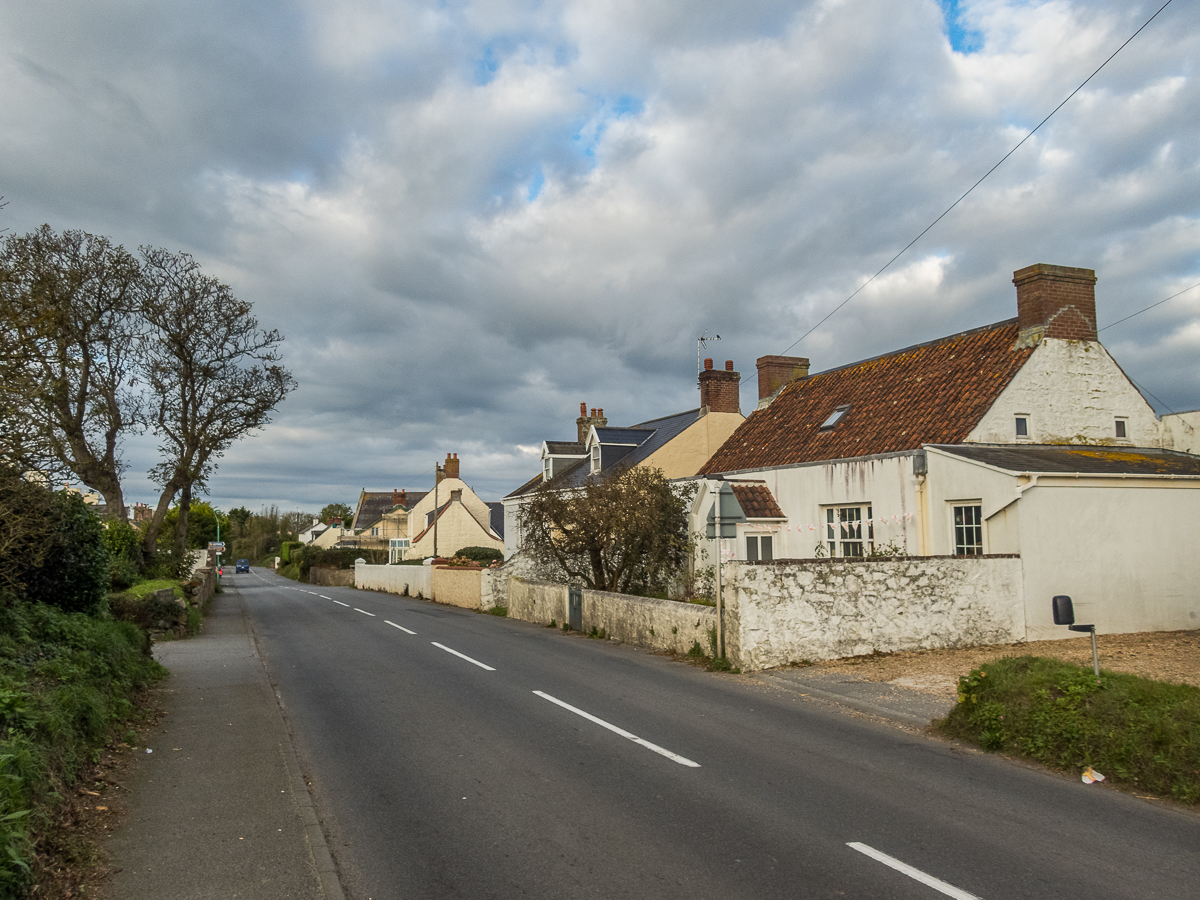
x=481, y=554
x=1131, y=729
x=67, y=682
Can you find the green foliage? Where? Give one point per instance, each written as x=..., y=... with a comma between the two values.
x=624, y=532
x=202, y=524
x=67, y=682
x=336, y=511
x=305, y=558
x=486, y=555
x=75, y=575
x=1132, y=729
x=501, y=611
x=285, y=550
x=598, y=634
x=124, y=543
x=238, y=517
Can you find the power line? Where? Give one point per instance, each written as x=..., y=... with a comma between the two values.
x=1148, y=308
x=980, y=181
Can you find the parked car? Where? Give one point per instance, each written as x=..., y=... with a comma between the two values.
x=243, y=565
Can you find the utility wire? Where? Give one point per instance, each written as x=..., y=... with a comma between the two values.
x=1148, y=308
x=980, y=181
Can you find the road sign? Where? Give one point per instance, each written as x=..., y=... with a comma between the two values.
x=216, y=546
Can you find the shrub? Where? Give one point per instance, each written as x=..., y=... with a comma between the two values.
x=75, y=574
x=124, y=543
x=486, y=555
x=1132, y=729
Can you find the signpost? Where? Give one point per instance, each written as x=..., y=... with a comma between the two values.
x=723, y=517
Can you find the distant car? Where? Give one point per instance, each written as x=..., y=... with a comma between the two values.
x=243, y=565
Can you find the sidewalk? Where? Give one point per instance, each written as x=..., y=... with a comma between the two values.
x=902, y=704
x=219, y=808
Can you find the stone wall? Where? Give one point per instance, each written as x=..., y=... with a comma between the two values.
x=536, y=601
x=456, y=585
x=823, y=609
x=331, y=577
x=408, y=581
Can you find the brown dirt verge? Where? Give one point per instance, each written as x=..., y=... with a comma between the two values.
x=1172, y=656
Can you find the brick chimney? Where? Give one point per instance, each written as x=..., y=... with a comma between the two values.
x=400, y=498
x=719, y=389
x=1055, y=302
x=584, y=422
x=776, y=371
x=451, y=465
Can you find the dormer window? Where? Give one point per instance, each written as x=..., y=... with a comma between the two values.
x=834, y=417
x=547, y=469
x=595, y=459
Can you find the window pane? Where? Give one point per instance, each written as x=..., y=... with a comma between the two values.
x=767, y=553
x=752, y=548
x=1022, y=427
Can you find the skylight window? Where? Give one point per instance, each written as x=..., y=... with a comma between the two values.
x=834, y=417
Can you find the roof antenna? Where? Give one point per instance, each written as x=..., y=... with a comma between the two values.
x=702, y=343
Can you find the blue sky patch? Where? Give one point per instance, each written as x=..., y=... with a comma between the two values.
x=962, y=38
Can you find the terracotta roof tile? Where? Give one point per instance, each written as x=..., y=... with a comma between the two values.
x=933, y=393
x=756, y=501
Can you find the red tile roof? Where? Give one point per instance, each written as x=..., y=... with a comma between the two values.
x=932, y=393
x=756, y=501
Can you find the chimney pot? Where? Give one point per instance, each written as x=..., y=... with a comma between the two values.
x=707, y=364
x=583, y=409
x=729, y=365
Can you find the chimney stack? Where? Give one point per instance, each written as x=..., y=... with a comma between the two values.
x=451, y=465
x=776, y=371
x=1055, y=302
x=400, y=498
x=584, y=422
x=719, y=389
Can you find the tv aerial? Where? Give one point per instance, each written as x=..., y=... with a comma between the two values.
x=702, y=343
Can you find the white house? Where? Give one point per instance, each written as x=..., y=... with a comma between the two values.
x=1024, y=437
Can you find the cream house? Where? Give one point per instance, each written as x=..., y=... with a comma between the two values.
x=449, y=518
x=1023, y=437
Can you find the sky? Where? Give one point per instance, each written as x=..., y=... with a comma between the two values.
x=468, y=218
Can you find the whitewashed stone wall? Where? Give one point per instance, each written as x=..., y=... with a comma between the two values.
x=410, y=581
x=824, y=609
x=649, y=622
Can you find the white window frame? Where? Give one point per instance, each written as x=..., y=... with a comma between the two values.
x=1018, y=420
x=595, y=465
x=1121, y=424
x=961, y=531
x=396, y=549
x=848, y=526
x=757, y=553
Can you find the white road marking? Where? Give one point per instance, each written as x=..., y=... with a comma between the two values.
x=662, y=751
x=363, y=611
x=936, y=883
x=401, y=627
x=323, y=597
x=340, y=603
x=461, y=655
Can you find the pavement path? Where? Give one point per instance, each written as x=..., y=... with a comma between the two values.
x=218, y=808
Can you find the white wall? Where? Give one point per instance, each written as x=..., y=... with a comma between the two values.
x=1071, y=391
x=823, y=609
x=1124, y=550
x=413, y=581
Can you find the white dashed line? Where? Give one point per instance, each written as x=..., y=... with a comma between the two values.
x=363, y=611
x=401, y=627
x=936, y=883
x=662, y=751
x=323, y=597
x=340, y=603
x=462, y=656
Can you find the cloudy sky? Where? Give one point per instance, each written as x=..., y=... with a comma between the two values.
x=467, y=218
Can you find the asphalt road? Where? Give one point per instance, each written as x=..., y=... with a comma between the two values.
x=453, y=754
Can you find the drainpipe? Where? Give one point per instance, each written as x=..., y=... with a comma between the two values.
x=720, y=618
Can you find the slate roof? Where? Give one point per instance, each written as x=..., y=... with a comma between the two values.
x=565, y=448
x=1046, y=459
x=756, y=501
x=649, y=436
x=373, y=504
x=932, y=393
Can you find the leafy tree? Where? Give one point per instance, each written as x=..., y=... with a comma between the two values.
x=25, y=527
x=74, y=573
x=624, y=532
x=238, y=517
x=202, y=522
x=336, y=511
x=70, y=340
x=215, y=377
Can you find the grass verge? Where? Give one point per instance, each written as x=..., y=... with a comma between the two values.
x=1134, y=730
x=68, y=683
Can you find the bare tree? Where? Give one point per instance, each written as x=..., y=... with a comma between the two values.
x=69, y=345
x=214, y=377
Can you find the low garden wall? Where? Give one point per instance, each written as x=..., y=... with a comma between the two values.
x=331, y=577
x=456, y=585
x=788, y=611
x=408, y=581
